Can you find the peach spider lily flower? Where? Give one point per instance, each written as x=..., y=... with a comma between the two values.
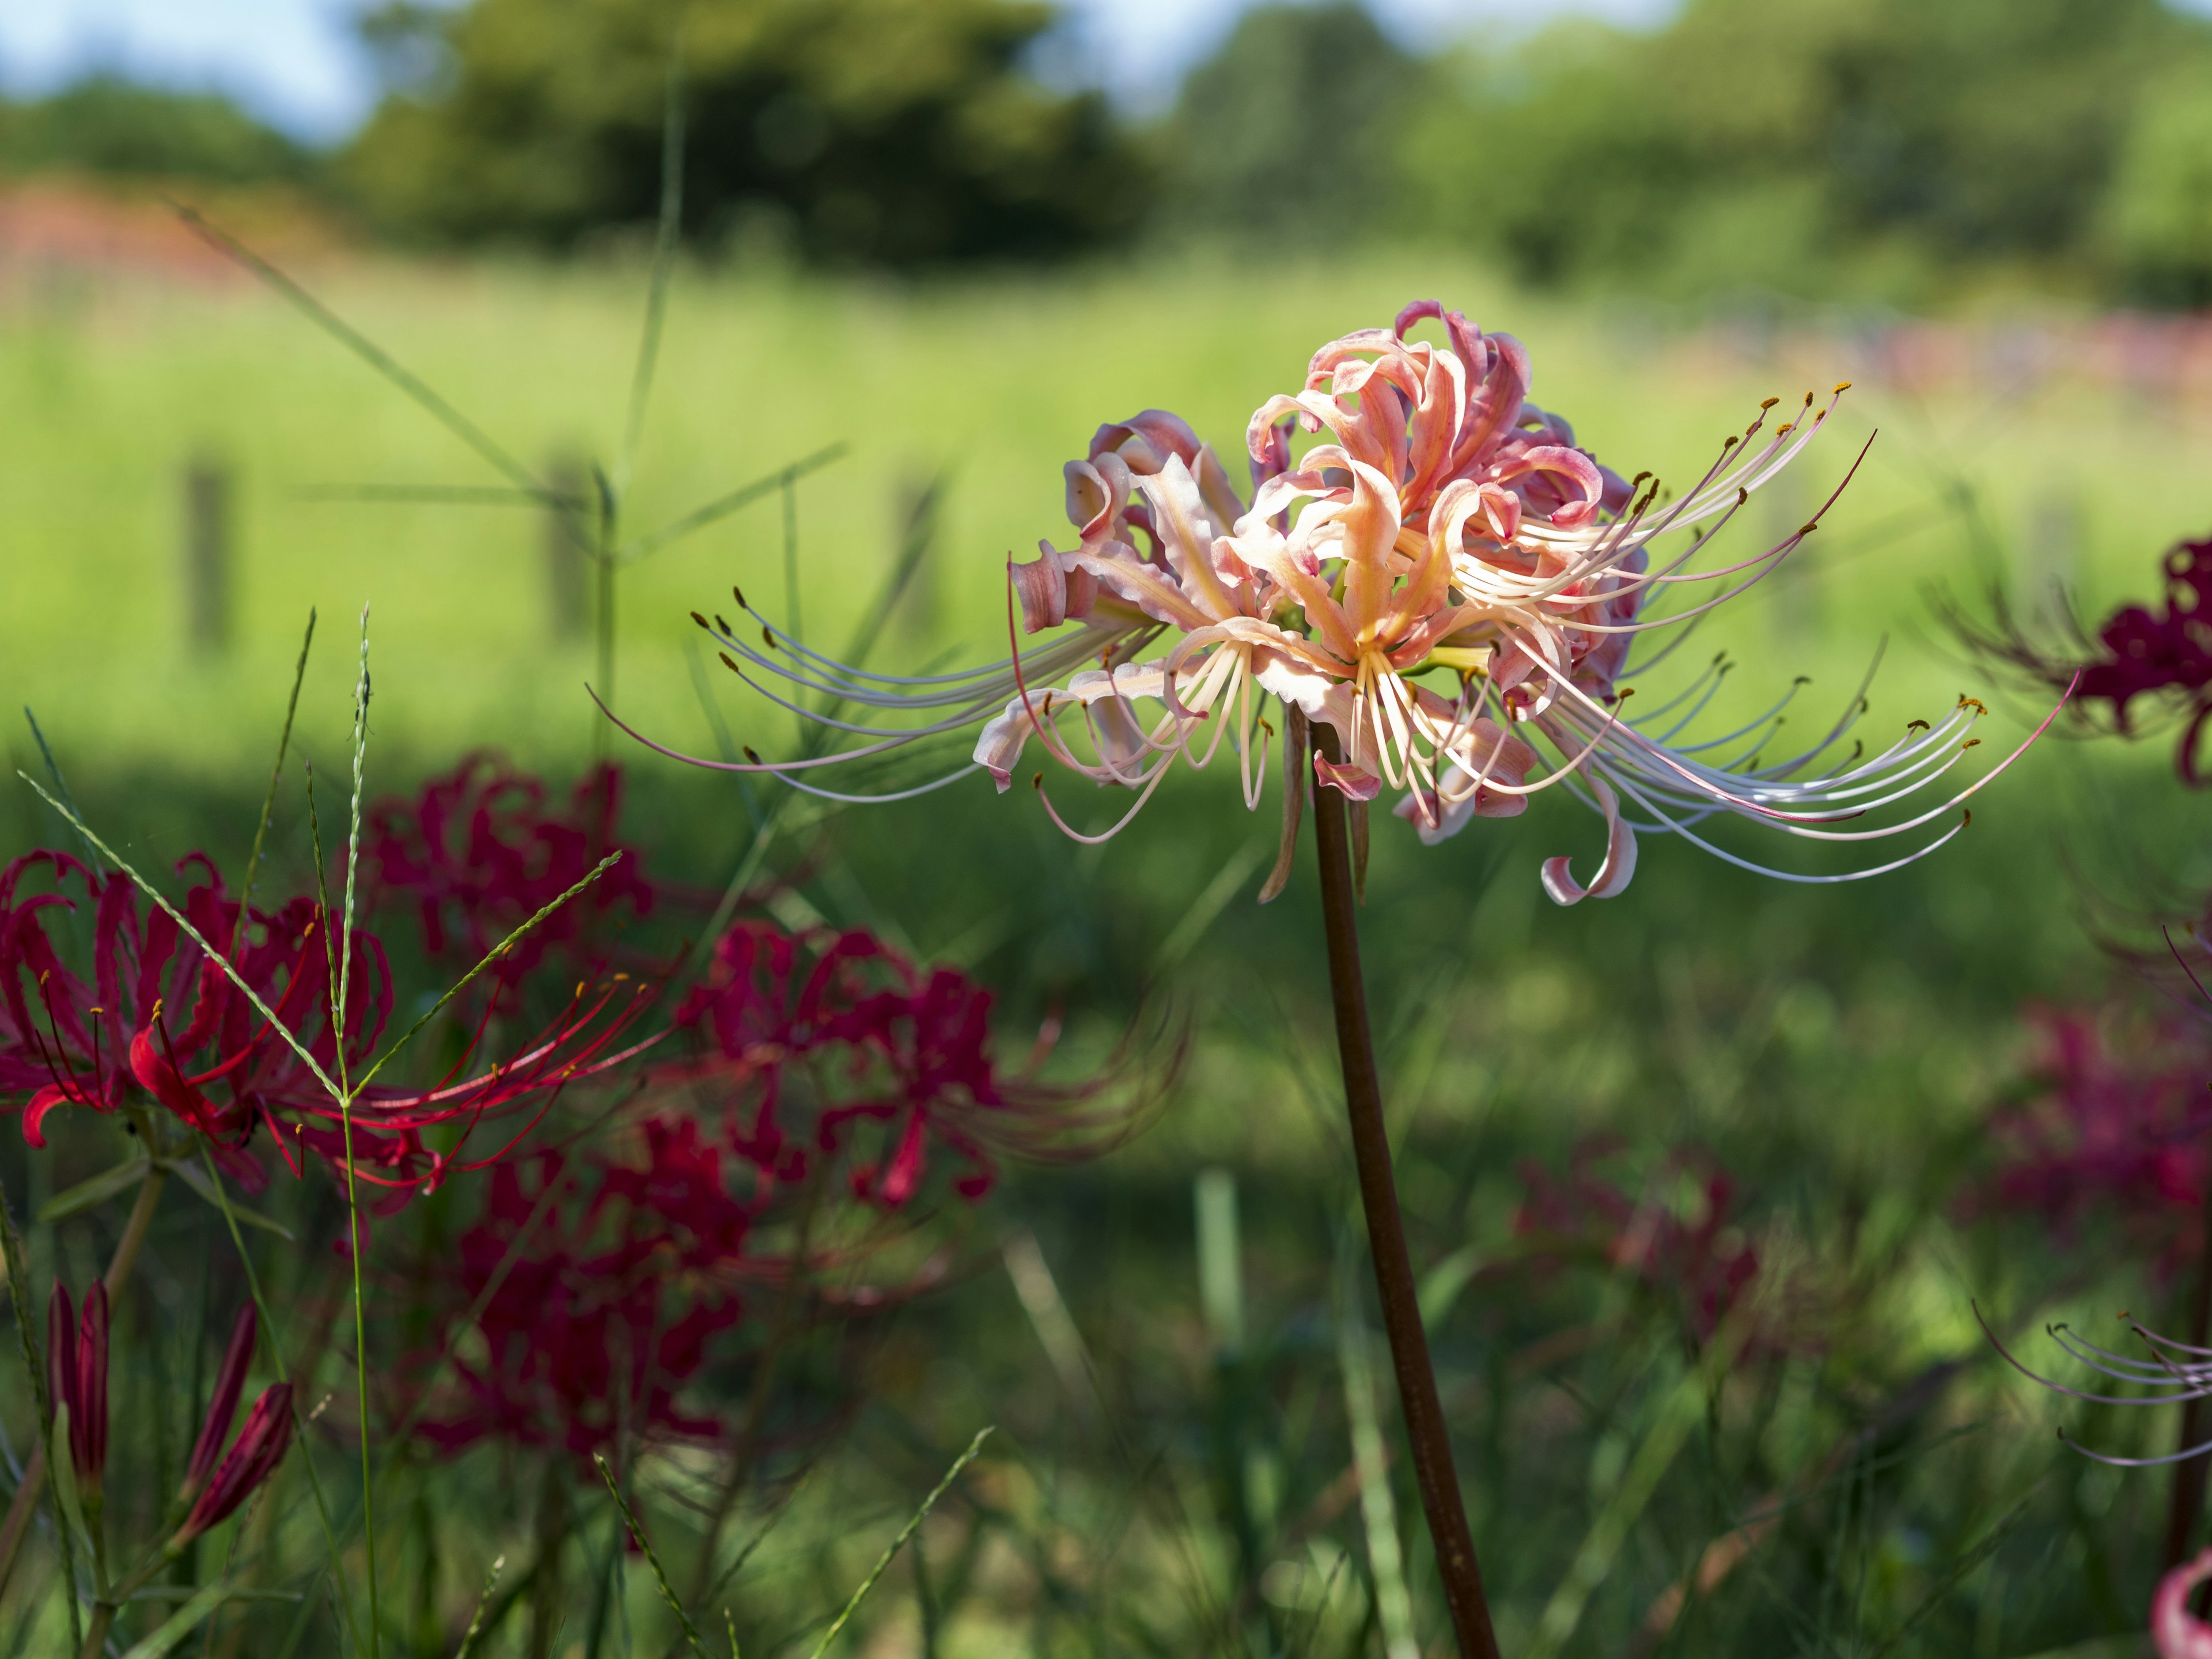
x=1448, y=531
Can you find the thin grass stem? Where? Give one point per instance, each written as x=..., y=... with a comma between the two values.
x=652, y=1555
x=913, y=1525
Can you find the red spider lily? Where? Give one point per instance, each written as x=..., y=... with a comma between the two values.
x=252, y=1458
x=809, y=1037
x=478, y=852
x=2165, y=654
x=76, y=1378
x=2110, y=1125
x=222, y=1068
x=1676, y=1233
x=605, y=1312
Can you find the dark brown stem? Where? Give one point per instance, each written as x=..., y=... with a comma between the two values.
x=1386, y=1233
x=2188, y=1501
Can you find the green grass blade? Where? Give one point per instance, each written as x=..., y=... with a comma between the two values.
x=475, y=1620
x=180, y=1624
x=344, y=970
x=898, y=1543
x=1378, y=1510
x=491, y=956
x=54, y=771
x=665, y=242
x=275, y=772
x=652, y=1556
x=362, y=346
x=722, y=505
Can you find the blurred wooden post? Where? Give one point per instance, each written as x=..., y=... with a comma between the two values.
x=567, y=584
x=914, y=611
x=206, y=553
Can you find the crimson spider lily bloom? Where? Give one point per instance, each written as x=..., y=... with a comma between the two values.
x=605, y=1313
x=808, y=1040
x=2116, y=1123
x=1448, y=583
x=159, y=1023
x=2162, y=656
x=478, y=852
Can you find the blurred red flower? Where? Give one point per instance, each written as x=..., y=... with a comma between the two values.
x=819, y=1044
x=2110, y=1126
x=478, y=852
x=607, y=1307
x=1675, y=1232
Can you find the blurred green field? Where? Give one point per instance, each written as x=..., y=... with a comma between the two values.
x=1836, y=1046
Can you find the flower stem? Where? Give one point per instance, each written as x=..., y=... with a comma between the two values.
x=1441, y=1503
x=2189, y=1476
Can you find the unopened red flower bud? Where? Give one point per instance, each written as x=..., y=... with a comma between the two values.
x=260, y=1446
x=222, y=1404
x=88, y=1412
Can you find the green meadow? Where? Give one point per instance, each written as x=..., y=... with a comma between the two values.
x=1836, y=1046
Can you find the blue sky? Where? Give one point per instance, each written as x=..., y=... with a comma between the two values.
x=293, y=63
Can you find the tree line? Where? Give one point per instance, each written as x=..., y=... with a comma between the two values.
x=1884, y=148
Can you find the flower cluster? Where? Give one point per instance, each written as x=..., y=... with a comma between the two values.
x=829, y=1081
x=607, y=1304
x=823, y=1045
x=478, y=853
x=158, y=1030
x=1445, y=590
x=2113, y=1126
x=1678, y=1234
x=2164, y=655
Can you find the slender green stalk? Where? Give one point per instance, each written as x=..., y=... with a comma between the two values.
x=364, y=347
x=476, y=1619
x=665, y=242
x=276, y=773
x=2186, y=1502
x=54, y=771
x=898, y=1543
x=343, y=968
x=652, y=1555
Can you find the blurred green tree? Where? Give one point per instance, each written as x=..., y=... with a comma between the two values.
x=1294, y=124
x=2162, y=200
x=1824, y=147
x=110, y=127
x=895, y=132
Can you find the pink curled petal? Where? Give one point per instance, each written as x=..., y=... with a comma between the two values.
x=998, y=745
x=1613, y=874
x=2180, y=1633
x=1041, y=587
x=1353, y=782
